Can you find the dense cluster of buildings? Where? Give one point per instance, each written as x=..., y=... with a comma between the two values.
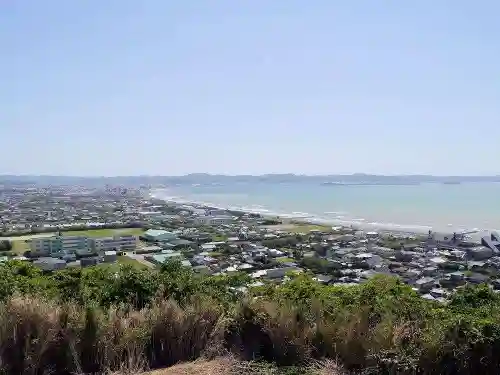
x=27, y=209
x=433, y=264
x=215, y=241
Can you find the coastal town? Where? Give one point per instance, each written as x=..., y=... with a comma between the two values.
x=73, y=226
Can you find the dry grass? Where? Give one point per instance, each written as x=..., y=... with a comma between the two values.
x=325, y=367
x=220, y=366
x=38, y=337
x=231, y=366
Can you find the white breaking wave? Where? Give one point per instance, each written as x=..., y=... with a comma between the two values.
x=334, y=218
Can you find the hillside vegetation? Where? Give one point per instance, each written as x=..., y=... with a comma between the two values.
x=102, y=320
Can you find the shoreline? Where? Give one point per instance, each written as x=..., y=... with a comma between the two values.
x=306, y=219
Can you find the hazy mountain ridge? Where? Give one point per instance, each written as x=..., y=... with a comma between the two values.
x=202, y=178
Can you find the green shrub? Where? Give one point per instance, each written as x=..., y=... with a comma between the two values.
x=104, y=319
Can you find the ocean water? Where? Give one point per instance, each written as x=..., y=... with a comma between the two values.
x=417, y=208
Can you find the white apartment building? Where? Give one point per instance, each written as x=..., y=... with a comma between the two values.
x=59, y=244
x=213, y=220
x=116, y=243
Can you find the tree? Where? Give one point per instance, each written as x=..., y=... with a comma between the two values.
x=133, y=287
x=473, y=296
x=69, y=283
x=96, y=285
x=28, y=279
x=5, y=245
x=178, y=282
x=7, y=284
x=298, y=254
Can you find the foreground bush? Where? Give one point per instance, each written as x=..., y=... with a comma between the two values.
x=100, y=321
x=41, y=337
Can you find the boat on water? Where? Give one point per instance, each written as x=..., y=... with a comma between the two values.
x=332, y=183
x=451, y=182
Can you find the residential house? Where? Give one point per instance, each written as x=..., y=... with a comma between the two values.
x=323, y=279
x=205, y=270
x=90, y=261
x=213, y=220
x=149, y=249
x=50, y=264
x=480, y=252
x=274, y=273
x=405, y=256
x=163, y=257
x=457, y=276
x=208, y=247
x=477, y=278
x=110, y=256
x=179, y=243
x=425, y=284
x=366, y=260
x=430, y=271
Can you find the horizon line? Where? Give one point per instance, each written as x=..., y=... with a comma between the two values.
x=247, y=175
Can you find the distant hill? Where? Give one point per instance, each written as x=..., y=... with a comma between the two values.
x=202, y=178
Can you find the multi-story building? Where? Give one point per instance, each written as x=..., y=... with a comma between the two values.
x=62, y=245
x=59, y=244
x=117, y=243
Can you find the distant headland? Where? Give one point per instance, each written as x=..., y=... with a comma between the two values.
x=205, y=178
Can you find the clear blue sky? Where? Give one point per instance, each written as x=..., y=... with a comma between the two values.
x=127, y=87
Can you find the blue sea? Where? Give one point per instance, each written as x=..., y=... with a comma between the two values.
x=417, y=208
